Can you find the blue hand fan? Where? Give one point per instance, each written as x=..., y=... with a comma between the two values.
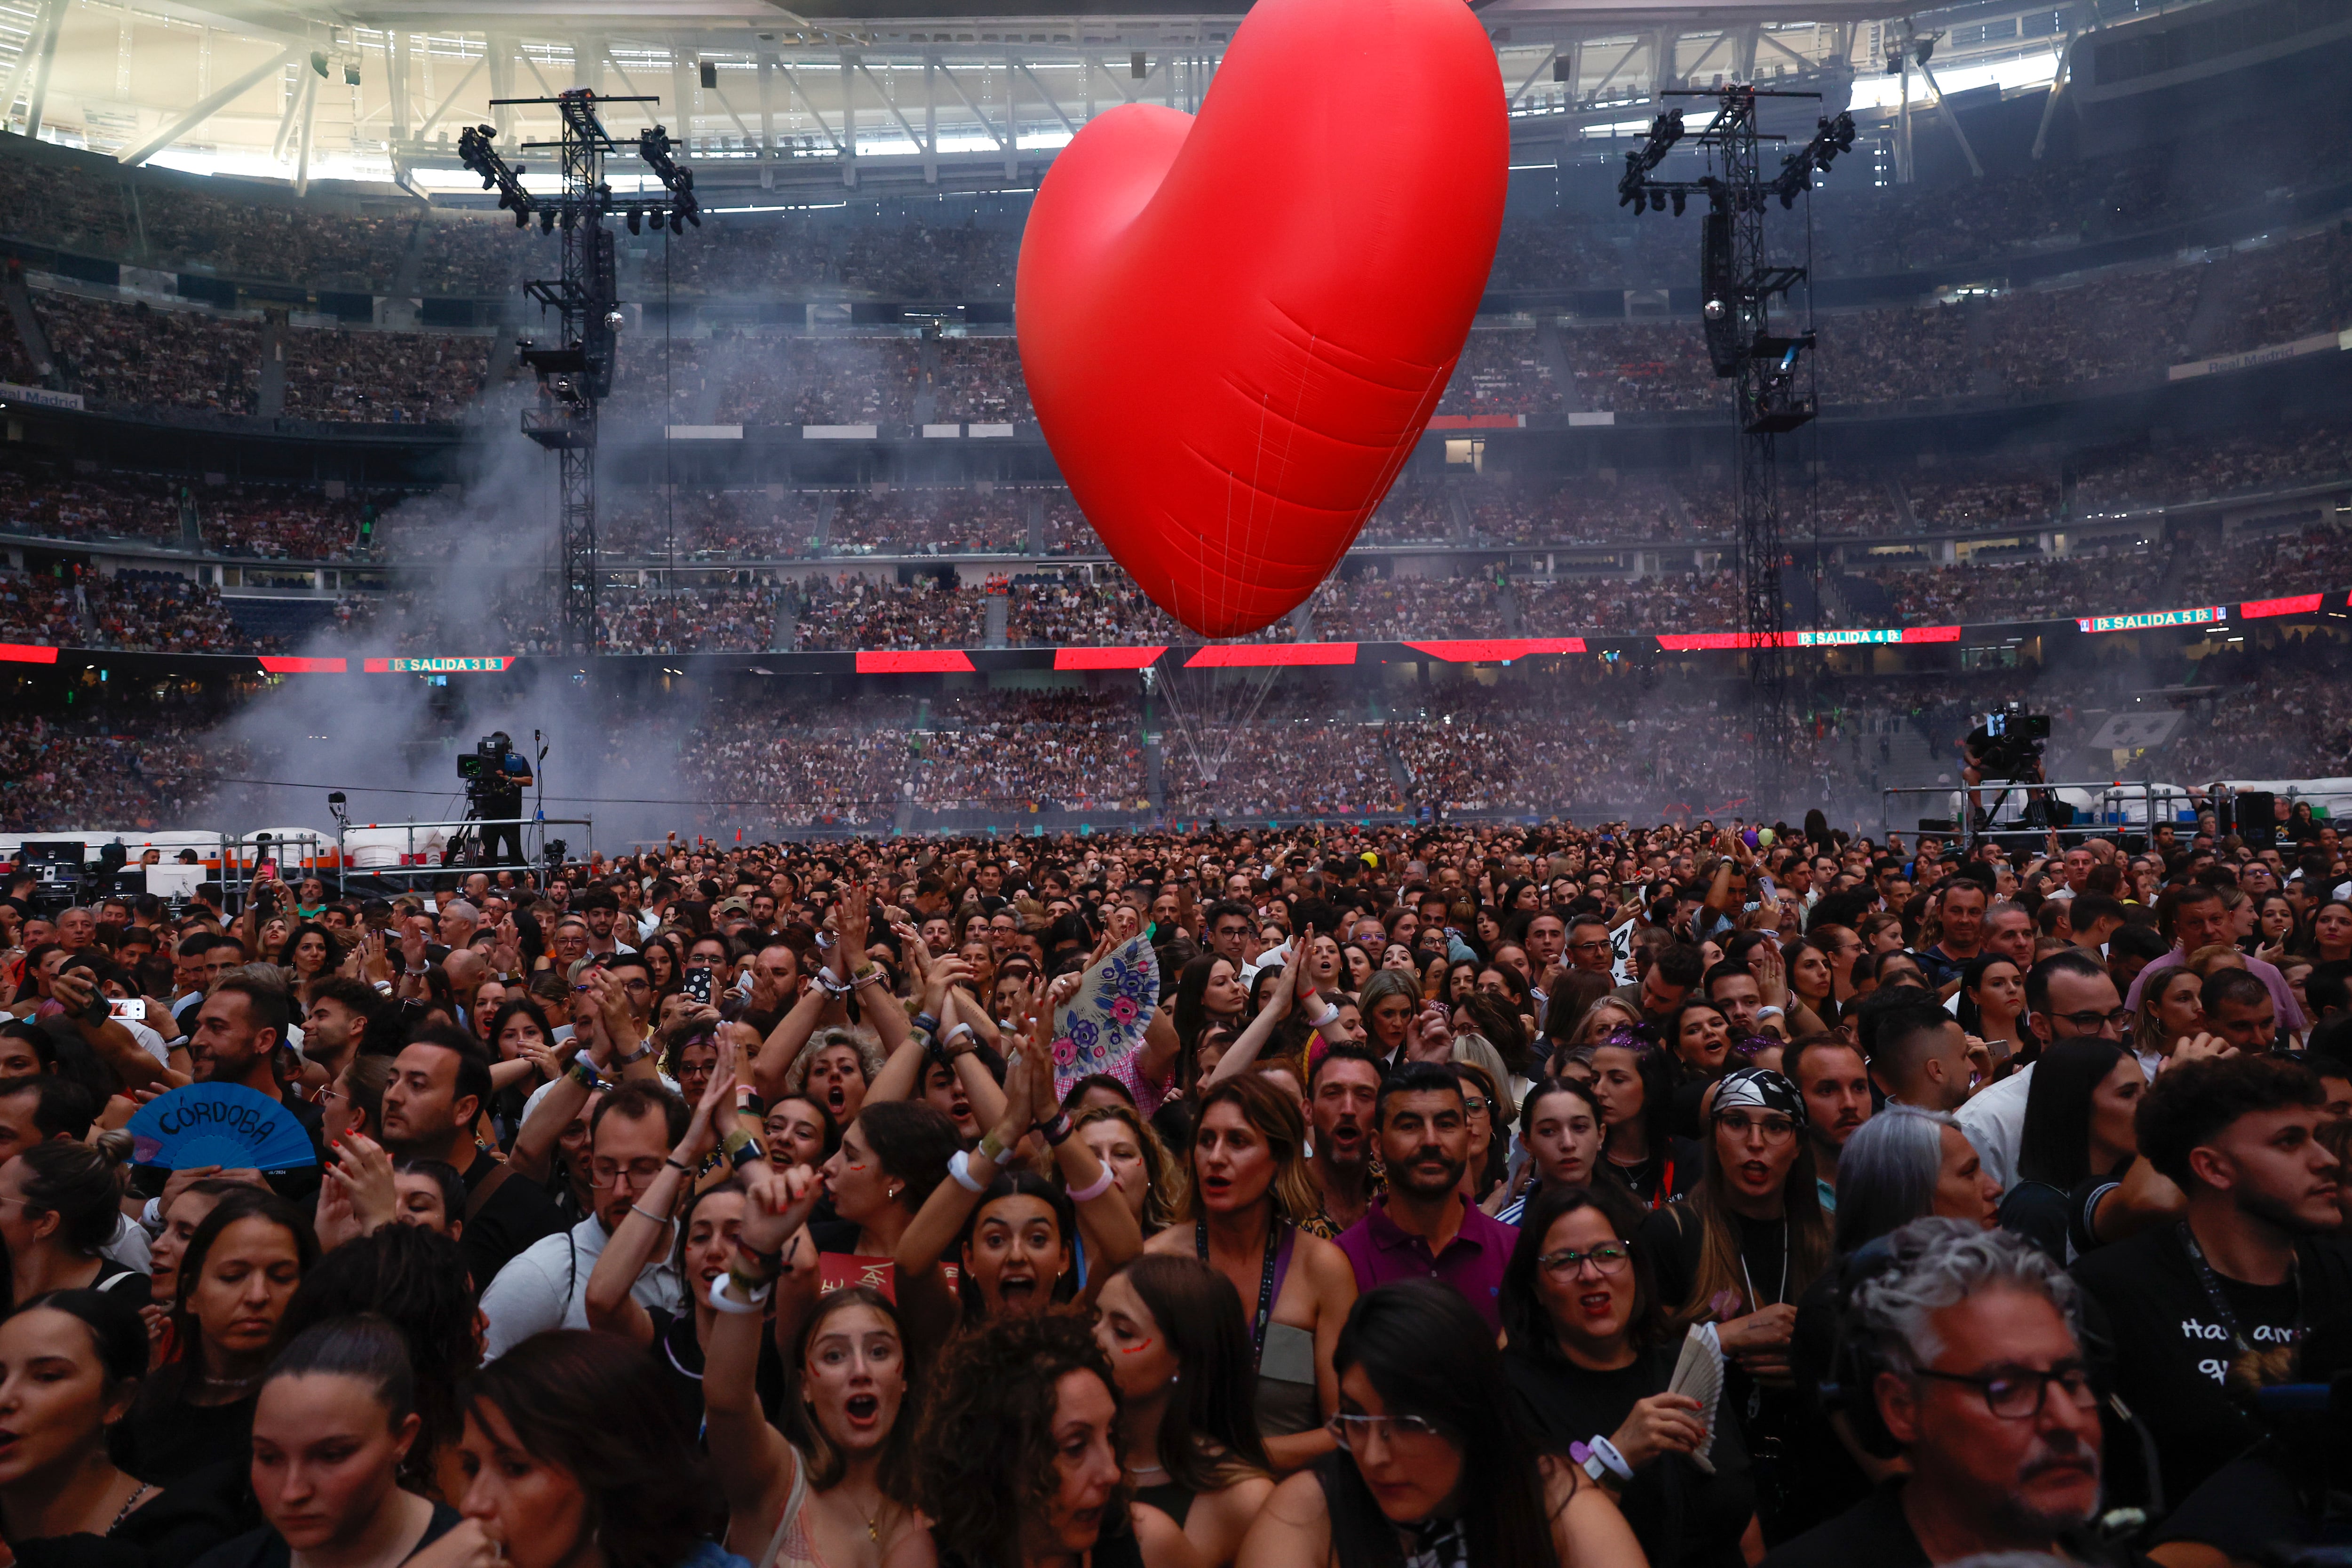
x=224, y=1124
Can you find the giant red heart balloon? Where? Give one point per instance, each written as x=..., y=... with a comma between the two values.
x=1234, y=325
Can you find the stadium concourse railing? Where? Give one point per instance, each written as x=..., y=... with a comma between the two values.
x=1214, y=655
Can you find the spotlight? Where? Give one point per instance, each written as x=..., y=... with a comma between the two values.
x=547, y=220
x=677, y=222
x=1657, y=201
x=636, y=220
x=1679, y=200
x=522, y=217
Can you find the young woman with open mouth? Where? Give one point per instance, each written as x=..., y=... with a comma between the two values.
x=1249, y=1192
x=834, y=1488
x=1019, y=1233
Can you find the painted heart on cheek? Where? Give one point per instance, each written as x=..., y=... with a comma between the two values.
x=1236, y=325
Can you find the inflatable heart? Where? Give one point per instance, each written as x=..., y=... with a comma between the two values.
x=1234, y=325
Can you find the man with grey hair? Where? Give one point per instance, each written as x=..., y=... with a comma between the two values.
x=1961, y=1358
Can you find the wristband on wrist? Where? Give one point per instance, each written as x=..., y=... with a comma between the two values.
x=1057, y=1132
x=743, y=1152
x=585, y=1070
x=675, y=1163
x=1330, y=1016
x=959, y=1169
x=1610, y=1459
x=991, y=1150
x=755, y=1296
x=629, y=1058
x=771, y=1263
x=926, y=1022
x=964, y=1032
x=1100, y=1185
x=869, y=976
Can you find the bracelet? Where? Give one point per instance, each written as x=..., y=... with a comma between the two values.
x=959, y=1167
x=1057, y=1132
x=926, y=1023
x=756, y=1296
x=675, y=1163
x=641, y=1209
x=628, y=1058
x=1605, y=1451
x=1100, y=1185
x=965, y=1030
x=585, y=1070
x=773, y=1262
x=1330, y=1016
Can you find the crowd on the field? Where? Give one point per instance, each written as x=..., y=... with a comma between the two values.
x=1565, y=1196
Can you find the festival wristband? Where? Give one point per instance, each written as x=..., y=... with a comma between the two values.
x=755, y=1296
x=959, y=1169
x=1614, y=1462
x=1057, y=1132
x=585, y=1070
x=991, y=1150
x=1095, y=1188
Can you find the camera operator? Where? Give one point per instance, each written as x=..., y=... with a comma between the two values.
x=2004, y=747
x=498, y=798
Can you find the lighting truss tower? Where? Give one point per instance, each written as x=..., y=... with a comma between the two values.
x=1771, y=370
x=576, y=374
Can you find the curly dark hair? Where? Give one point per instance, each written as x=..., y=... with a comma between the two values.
x=2191, y=1103
x=984, y=1457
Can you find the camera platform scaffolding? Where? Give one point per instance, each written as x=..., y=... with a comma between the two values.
x=577, y=374
x=2110, y=813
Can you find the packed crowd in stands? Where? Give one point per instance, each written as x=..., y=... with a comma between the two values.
x=164, y=612
x=38, y=609
x=711, y=620
x=151, y=771
x=2025, y=590
x=128, y=356
x=384, y=377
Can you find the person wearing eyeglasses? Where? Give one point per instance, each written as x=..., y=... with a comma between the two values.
x=2068, y=997
x=1964, y=1360
x=1434, y=1463
x=1589, y=1358
x=632, y=1138
x=1740, y=1252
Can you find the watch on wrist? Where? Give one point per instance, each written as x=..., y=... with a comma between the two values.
x=629, y=1058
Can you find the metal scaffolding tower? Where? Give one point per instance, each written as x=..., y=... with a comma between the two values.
x=576, y=374
x=1773, y=370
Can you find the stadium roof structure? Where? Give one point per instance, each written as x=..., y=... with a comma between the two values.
x=871, y=96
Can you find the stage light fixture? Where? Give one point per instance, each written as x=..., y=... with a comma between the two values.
x=547, y=220
x=1657, y=201
x=1679, y=200
x=677, y=222
x=636, y=220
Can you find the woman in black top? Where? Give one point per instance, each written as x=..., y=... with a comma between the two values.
x=2077, y=1144
x=70, y=1364
x=1173, y=1332
x=58, y=1205
x=1589, y=1358
x=1434, y=1464
x=236, y=1277
x=331, y=1431
x=1742, y=1252
x=1634, y=1082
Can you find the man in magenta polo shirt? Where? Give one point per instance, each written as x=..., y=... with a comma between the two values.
x=1425, y=1227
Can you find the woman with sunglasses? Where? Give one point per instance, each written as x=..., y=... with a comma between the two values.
x=1433, y=1464
x=1591, y=1355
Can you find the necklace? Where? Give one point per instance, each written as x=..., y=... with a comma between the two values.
x=129, y=1504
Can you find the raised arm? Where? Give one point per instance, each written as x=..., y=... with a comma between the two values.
x=77, y=992
x=752, y=1461
x=646, y=1226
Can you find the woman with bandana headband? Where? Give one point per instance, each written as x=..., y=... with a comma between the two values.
x=1741, y=1251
